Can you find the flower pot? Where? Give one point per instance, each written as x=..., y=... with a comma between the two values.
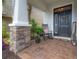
x=37, y=40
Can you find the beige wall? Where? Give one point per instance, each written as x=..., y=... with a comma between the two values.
x=37, y=15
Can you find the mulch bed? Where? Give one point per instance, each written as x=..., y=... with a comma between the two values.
x=6, y=54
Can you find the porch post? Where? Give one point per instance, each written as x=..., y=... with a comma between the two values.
x=20, y=28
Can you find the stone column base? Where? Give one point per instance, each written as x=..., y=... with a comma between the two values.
x=20, y=38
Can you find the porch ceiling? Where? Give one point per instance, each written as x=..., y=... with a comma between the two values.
x=45, y=5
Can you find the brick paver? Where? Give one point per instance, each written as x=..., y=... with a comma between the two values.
x=50, y=49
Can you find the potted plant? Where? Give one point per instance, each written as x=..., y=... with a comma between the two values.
x=37, y=38
x=36, y=31
x=39, y=31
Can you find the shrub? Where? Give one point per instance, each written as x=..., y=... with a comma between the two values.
x=39, y=30
x=5, y=34
x=33, y=28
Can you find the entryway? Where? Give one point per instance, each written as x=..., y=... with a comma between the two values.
x=62, y=21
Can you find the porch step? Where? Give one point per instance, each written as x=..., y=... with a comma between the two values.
x=63, y=38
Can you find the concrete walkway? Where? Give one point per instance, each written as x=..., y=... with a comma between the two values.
x=50, y=49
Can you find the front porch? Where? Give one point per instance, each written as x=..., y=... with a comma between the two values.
x=60, y=25
x=51, y=48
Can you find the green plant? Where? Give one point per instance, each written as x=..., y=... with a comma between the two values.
x=33, y=28
x=7, y=41
x=39, y=30
x=35, y=31
x=5, y=34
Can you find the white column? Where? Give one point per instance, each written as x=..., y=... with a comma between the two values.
x=20, y=28
x=20, y=17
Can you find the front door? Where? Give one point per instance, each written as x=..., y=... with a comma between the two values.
x=62, y=22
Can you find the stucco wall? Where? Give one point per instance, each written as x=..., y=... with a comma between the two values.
x=48, y=19
x=37, y=15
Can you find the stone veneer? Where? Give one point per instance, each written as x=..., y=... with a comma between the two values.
x=20, y=37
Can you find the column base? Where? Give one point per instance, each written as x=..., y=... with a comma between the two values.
x=20, y=38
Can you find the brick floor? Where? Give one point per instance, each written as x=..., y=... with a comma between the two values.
x=50, y=49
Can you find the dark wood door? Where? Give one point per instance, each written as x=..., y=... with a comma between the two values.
x=62, y=23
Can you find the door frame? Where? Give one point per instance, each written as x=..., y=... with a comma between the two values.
x=54, y=18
